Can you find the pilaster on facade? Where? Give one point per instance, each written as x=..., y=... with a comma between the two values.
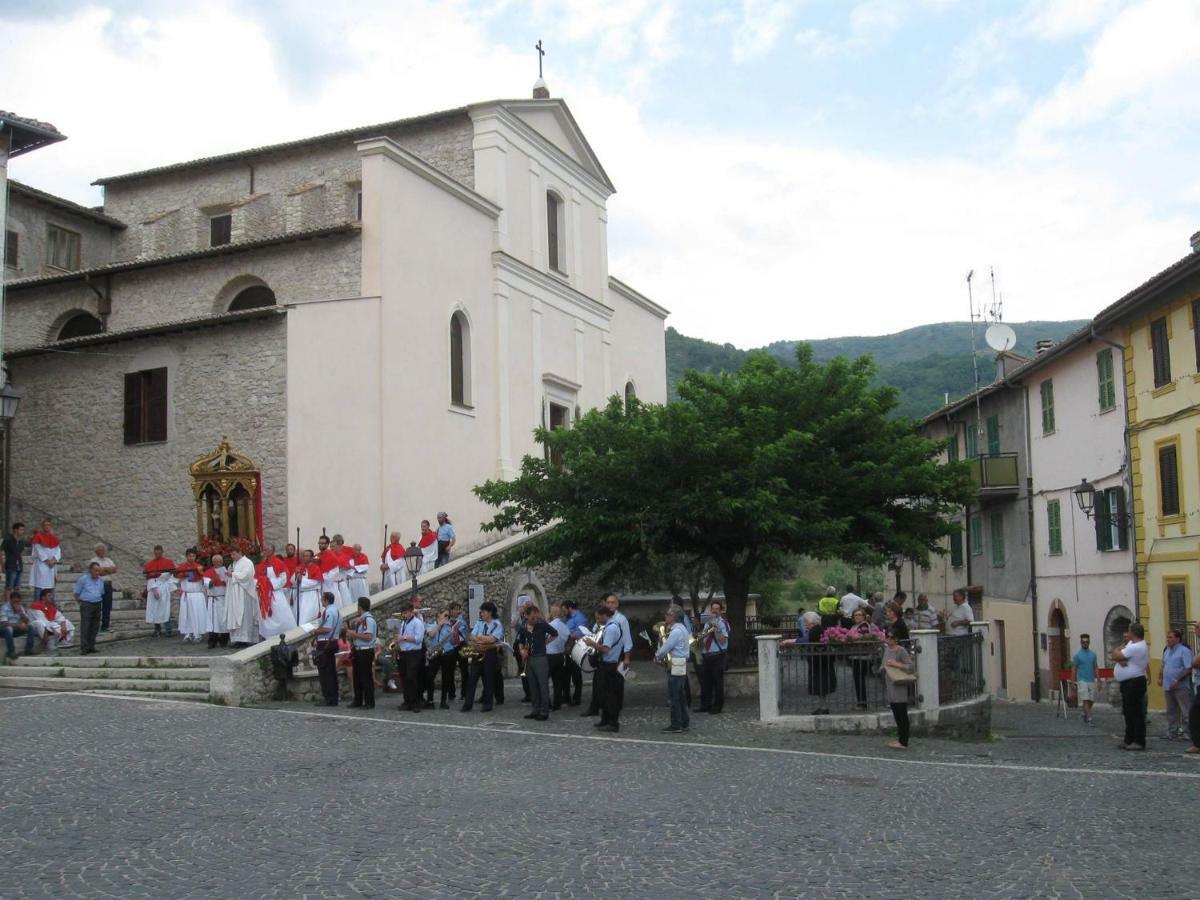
x=504, y=464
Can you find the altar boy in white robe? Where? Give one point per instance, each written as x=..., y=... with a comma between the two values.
x=241, y=600
x=308, y=589
x=160, y=582
x=214, y=586
x=46, y=551
x=393, y=568
x=280, y=618
x=193, y=614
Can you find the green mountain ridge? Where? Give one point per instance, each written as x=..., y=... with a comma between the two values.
x=924, y=363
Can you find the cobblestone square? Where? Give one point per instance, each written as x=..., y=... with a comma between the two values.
x=120, y=797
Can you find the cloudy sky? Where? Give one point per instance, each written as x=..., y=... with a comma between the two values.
x=784, y=170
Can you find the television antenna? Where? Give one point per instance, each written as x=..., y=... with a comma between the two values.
x=975, y=364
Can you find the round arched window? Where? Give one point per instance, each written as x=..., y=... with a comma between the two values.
x=80, y=325
x=254, y=297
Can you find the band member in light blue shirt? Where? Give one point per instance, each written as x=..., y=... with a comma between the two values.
x=362, y=656
x=326, y=646
x=675, y=651
x=411, y=645
x=486, y=637
x=458, y=620
x=713, y=659
x=609, y=684
x=442, y=640
x=576, y=623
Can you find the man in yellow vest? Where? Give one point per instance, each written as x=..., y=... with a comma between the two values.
x=829, y=608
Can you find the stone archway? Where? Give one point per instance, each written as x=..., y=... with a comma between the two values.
x=1116, y=623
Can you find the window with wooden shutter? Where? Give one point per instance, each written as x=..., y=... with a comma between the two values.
x=972, y=440
x=1177, y=617
x=12, y=242
x=1054, y=527
x=993, y=435
x=62, y=248
x=220, y=230
x=976, y=536
x=1196, y=330
x=1160, y=350
x=952, y=448
x=956, y=549
x=146, y=406
x=996, y=526
x=1047, y=406
x=1105, y=380
x=1102, y=517
x=1168, y=480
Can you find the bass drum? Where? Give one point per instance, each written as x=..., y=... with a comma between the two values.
x=582, y=658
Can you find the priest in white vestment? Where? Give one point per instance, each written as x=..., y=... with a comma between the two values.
x=46, y=551
x=395, y=573
x=241, y=601
x=361, y=566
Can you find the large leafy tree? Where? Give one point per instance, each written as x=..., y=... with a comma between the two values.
x=745, y=468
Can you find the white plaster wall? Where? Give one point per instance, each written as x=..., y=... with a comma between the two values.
x=639, y=350
x=1086, y=443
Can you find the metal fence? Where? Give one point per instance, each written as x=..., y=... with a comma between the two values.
x=832, y=678
x=960, y=667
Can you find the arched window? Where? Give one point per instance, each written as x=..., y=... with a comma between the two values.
x=630, y=393
x=253, y=297
x=80, y=325
x=460, y=360
x=555, y=232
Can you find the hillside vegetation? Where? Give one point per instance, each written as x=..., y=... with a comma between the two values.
x=925, y=363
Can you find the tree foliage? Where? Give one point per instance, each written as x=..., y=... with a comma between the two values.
x=743, y=470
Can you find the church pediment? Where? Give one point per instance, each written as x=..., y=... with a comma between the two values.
x=553, y=121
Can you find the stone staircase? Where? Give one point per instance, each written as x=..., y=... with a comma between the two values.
x=175, y=677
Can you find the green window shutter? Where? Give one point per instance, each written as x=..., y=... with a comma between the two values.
x=993, y=435
x=952, y=448
x=1119, y=518
x=972, y=434
x=1101, y=515
x=996, y=526
x=1105, y=380
x=956, y=549
x=1054, y=526
x=1047, y=406
x=977, y=536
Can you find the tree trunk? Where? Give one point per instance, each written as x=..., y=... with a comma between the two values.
x=737, y=594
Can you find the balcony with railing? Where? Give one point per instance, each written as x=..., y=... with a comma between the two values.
x=996, y=474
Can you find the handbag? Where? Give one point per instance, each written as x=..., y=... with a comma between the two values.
x=898, y=676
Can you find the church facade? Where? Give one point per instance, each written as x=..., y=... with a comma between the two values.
x=368, y=323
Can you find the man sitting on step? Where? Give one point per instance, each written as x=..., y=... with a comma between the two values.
x=54, y=628
x=15, y=622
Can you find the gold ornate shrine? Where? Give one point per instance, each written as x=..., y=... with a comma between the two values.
x=227, y=487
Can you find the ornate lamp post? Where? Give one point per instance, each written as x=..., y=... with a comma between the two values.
x=10, y=399
x=414, y=559
x=1085, y=496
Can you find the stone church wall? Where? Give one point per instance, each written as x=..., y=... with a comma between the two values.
x=169, y=213
x=68, y=451
x=319, y=269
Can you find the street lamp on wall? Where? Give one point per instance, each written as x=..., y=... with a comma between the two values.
x=414, y=559
x=10, y=399
x=1085, y=496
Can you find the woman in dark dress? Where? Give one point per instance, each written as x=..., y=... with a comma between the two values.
x=822, y=676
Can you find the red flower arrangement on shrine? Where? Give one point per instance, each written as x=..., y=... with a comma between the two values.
x=210, y=546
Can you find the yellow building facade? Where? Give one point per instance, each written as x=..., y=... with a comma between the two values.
x=1161, y=323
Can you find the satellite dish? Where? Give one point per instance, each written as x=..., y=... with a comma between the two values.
x=1000, y=337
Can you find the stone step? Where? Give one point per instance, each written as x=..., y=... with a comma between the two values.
x=51, y=683
x=109, y=672
x=182, y=696
x=119, y=662
x=67, y=603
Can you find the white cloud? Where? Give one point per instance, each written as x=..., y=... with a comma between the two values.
x=1151, y=45
x=746, y=240
x=1056, y=19
x=870, y=22
x=757, y=32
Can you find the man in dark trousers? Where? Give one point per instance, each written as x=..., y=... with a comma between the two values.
x=362, y=656
x=326, y=648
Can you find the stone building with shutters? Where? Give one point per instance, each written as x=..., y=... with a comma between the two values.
x=374, y=320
